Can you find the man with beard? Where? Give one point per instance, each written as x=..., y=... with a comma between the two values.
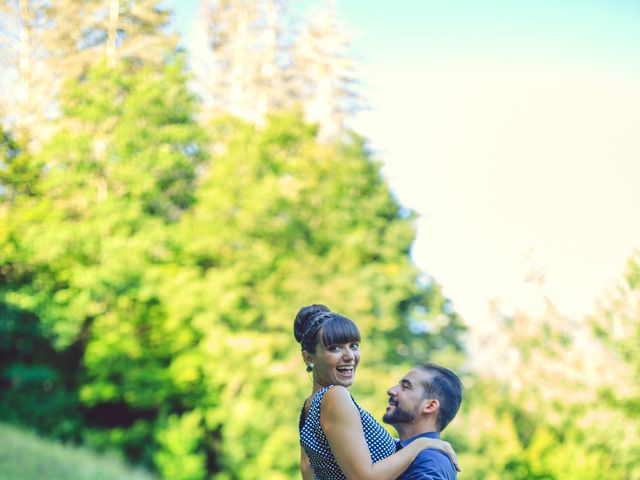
x=421, y=405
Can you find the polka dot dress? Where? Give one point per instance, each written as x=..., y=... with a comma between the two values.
x=316, y=446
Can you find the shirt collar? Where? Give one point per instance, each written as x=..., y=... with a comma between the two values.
x=406, y=442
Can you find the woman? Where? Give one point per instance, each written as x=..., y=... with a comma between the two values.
x=339, y=439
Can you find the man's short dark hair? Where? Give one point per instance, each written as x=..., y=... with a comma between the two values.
x=445, y=386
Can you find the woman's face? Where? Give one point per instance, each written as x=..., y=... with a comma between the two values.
x=335, y=364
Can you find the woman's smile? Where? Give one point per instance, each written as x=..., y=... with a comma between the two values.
x=346, y=371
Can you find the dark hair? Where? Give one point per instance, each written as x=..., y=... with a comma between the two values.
x=446, y=387
x=316, y=322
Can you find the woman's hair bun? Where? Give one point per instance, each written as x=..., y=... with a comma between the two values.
x=305, y=319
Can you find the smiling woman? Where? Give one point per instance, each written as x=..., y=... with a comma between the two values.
x=336, y=356
x=339, y=439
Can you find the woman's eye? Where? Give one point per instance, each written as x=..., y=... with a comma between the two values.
x=355, y=346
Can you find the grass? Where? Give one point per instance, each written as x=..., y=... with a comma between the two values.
x=25, y=456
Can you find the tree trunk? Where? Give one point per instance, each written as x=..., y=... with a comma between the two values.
x=112, y=33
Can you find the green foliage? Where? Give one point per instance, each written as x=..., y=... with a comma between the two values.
x=158, y=285
x=496, y=439
x=178, y=457
x=566, y=406
x=28, y=457
x=34, y=390
x=281, y=221
x=18, y=171
x=617, y=324
x=151, y=268
x=80, y=255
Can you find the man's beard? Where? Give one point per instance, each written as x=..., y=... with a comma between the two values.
x=398, y=416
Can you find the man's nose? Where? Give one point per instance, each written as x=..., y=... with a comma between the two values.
x=392, y=391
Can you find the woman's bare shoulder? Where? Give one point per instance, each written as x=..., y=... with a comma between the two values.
x=337, y=400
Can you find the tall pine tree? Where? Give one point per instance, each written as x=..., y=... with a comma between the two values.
x=48, y=43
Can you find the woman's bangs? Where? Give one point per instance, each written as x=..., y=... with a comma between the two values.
x=339, y=330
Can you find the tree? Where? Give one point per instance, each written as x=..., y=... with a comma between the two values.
x=83, y=245
x=325, y=72
x=241, y=59
x=166, y=286
x=149, y=285
x=617, y=325
x=24, y=91
x=32, y=373
x=544, y=387
x=48, y=43
x=281, y=221
x=247, y=65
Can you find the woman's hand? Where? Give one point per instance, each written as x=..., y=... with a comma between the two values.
x=442, y=446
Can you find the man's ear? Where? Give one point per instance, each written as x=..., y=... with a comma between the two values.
x=430, y=405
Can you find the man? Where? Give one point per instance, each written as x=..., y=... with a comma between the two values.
x=421, y=405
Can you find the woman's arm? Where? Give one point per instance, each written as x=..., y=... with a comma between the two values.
x=341, y=423
x=305, y=466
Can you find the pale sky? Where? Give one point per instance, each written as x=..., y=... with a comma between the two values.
x=512, y=128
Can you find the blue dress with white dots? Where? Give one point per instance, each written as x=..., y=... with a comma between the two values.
x=316, y=446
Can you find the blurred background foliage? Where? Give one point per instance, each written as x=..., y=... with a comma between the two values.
x=161, y=224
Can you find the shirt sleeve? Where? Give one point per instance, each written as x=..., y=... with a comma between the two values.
x=428, y=465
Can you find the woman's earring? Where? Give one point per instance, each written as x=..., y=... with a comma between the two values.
x=310, y=367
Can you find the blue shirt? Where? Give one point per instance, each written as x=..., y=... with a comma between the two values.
x=430, y=464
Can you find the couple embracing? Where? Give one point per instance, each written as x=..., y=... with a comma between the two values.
x=340, y=440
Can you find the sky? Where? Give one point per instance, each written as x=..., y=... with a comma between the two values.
x=512, y=129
